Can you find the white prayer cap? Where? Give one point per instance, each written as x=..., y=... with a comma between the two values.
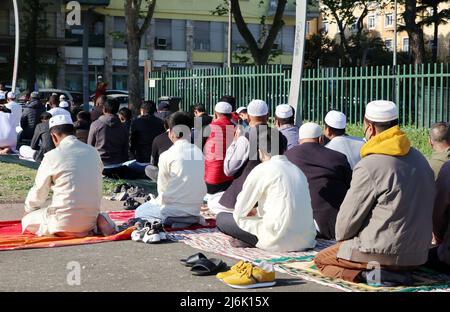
x=223, y=108
x=309, y=130
x=62, y=97
x=11, y=95
x=64, y=104
x=336, y=120
x=59, y=120
x=284, y=111
x=257, y=108
x=381, y=111
x=240, y=109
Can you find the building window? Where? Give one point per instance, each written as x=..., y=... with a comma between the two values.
x=202, y=36
x=325, y=27
x=163, y=34
x=388, y=43
x=405, y=47
x=389, y=20
x=4, y=22
x=372, y=22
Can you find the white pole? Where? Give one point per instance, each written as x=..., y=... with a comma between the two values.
x=394, y=61
x=297, y=63
x=16, y=53
x=230, y=35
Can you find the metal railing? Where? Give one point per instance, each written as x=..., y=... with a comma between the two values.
x=421, y=92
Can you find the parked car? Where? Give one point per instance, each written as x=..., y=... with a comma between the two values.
x=110, y=92
x=122, y=98
x=44, y=95
x=9, y=88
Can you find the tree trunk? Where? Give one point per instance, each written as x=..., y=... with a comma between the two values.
x=415, y=33
x=436, y=32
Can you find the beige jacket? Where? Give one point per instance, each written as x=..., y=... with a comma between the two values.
x=387, y=213
x=73, y=171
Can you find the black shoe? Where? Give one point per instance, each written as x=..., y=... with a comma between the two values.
x=131, y=204
x=136, y=191
x=386, y=278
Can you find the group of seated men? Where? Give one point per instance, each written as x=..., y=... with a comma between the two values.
x=274, y=188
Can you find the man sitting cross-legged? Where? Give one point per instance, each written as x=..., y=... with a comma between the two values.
x=385, y=220
x=181, y=187
x=73, y=172
x=283, y=218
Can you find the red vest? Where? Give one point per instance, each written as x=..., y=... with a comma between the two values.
x=215, y=150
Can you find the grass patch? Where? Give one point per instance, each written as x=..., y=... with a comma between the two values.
x=17, y=180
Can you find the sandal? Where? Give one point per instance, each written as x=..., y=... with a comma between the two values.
x=192, y=260
x=205, y=267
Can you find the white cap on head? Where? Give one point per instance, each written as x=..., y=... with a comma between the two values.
x=381, y=111
x=309, y=130
x=223, y=108
x=59, y=120
x=284, y=111
x=336, y=120
x=62, y=97
x=11, y=95
x=257, y=108
x=240, y=109
x=64, y=104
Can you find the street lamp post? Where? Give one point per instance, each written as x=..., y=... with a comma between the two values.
x=394, y=60
x=230, y=35
x=16, y=52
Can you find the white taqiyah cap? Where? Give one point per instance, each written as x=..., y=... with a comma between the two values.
x=223, y=108
x=64, y=104
x=11, y=95
x=336, y=120
x=309, y=130
x=284, y=111
x=240, y=109
x=381, y=111
x=62, y=97
x=59, y=120
x=257, y=108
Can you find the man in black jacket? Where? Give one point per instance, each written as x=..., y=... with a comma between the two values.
x=144, y=130
x=41, y=142
x=328, y=173
x=30, y=117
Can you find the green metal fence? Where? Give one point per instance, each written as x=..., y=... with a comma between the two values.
x=421, y=92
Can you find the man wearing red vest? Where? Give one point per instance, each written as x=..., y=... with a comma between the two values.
x=221, y=136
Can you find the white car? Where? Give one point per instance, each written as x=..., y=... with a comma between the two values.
x=122, y=98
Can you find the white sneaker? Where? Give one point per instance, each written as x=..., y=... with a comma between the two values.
x=138, y=235
x=151, y=237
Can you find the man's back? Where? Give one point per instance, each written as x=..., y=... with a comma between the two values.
x=329, y=176
x=42, y=141
x=30, y=118
x=110, y=138
x=349, y=146
x=144, y=130
x=160, y=144
x=16, y=111
x=180, y=181
x=8, y=135
x=75, y=170
x=394, y=198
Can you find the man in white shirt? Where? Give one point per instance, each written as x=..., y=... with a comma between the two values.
x=58, y=108
x=181, y=185
x=73, y=172
x=335, y=123
x=283, y=218
x=8, y=135
x=16, y=109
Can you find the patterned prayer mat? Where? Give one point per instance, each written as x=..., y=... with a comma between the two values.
x=300, y=264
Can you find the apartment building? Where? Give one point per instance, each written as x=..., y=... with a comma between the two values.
x=183, y=34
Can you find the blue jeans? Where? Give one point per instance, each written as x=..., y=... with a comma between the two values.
x=149, y=211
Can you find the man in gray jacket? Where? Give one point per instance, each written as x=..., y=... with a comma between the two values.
x=385, y=220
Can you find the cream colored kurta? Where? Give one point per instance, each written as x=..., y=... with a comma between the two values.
x=73, y=171
x=284, y=220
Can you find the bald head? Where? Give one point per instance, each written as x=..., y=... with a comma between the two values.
x=440, y=135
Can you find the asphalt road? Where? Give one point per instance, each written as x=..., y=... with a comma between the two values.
x=115, y=266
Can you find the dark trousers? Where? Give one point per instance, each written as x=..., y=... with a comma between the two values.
x=435, y=263
x=217, y=188
x=122, y=172
x=226, y=224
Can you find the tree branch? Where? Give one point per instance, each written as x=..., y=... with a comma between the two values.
x=243, y=28
x=148, y=18
x=276, y=25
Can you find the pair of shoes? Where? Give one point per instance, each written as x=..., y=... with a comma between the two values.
x=121, y=188
x=131, y=204
x=245, y=275
x=149, y=233
x=202, y=266
x=136, y=191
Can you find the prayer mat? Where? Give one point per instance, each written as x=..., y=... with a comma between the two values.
x=11, y=237
x=15, y=159
x=212, y=240
x=303, y=267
